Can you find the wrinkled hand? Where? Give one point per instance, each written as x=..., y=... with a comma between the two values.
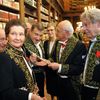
x=41, y=63
x=54, y=66
x=33, y=58
x=37, y=97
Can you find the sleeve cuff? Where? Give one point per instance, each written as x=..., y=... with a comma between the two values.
x=30, y=96
x=60, y=66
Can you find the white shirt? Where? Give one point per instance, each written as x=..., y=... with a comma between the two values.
x=51, y=46
x=39, y=49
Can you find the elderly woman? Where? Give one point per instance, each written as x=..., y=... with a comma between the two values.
x=17, y=81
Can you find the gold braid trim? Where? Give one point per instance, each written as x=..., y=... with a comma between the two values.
x=17, y=56
x=66, y=52
x=92, y=64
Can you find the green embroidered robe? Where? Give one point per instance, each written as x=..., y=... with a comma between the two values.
x=92, y=73
x=18, y=57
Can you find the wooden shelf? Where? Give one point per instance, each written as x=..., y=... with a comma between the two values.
x=26, y=10
x=32, y=8
x=30, y=15
x=9, y=9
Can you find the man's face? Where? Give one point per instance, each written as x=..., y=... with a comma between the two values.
x=3, y=41
x=62, y=34
x=36, y=35
x=91, y=29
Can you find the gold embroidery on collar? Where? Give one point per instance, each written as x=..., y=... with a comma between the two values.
x=68, y=49
x=92, y=64
x=17, y=56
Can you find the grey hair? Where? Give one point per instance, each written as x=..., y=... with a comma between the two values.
x=93, y=15
x=68, y=26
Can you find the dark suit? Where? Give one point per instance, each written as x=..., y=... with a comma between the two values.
x=39, y=72
x=72, y=60
x=51, y=76
x=14, y=82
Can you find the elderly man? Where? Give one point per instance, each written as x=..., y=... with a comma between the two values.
x=91, y=76
x=3, y=40
x=69, y=57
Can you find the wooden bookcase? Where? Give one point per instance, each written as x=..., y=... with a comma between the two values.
x=41, y=10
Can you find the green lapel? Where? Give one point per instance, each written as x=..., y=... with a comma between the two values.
x=68, y=49
x=17, y=56
x=92, y=62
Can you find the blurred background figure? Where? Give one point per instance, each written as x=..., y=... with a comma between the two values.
x=28, y=27
x=3, y=41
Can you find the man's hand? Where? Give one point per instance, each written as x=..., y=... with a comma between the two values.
x=33, y=58
x=41, y=63
x=37, y=97
x=54, y=65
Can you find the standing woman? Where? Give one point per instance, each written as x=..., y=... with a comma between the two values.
x=49, y=46
x=17, y=82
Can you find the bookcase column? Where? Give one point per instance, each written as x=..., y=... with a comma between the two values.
x=39, y=5
x=22, y=10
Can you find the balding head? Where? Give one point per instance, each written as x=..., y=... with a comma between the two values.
x=65, y=27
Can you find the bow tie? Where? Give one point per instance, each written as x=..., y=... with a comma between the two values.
x=63, y=44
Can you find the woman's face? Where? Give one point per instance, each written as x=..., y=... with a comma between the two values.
x=51, y=31
x=16, y=36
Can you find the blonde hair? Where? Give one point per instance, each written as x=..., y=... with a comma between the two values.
x=51, y=24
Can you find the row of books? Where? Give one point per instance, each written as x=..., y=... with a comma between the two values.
x=2, y=25
x=44, y=17
x=10, y=3
x=31, y=2
x=6, y=16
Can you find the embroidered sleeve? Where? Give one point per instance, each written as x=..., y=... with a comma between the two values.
x=64, y=69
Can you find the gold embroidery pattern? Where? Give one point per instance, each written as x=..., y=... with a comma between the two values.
x=17, y=56
x=68, y=49
x=92, y=64
x=31, y=47
x=66, y=52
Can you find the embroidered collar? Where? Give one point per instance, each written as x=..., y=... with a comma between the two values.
x=67, y=50
x=92, y=62
x=63, y=42
x=15, y=50
x=17, y=56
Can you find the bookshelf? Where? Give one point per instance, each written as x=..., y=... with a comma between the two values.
x=41, y=10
